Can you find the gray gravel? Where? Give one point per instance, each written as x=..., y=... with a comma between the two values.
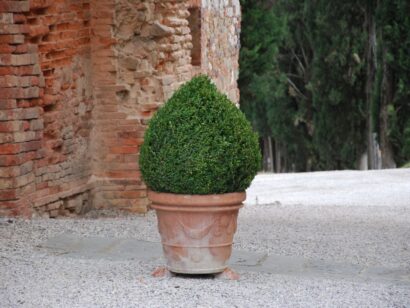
x=367, y=234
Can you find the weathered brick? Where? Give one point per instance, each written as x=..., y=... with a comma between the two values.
x=23, y=48
x=38, y=30
x=8, y=194
x=20, y=114
x=124, y=174
x=12, y=126
x=6, y=48
x=7, y=103
x=124, y=149
x=12, y=160
x=12, y=39
x=24, y=180
x=26, y=136
x=119, y=194
x=30, y=146
x=13, y=29
x=18, y=59
x=6, y=137
x=40, y=4
x=14, y=171
x=6, y=18
x=14, y=6
x=20, y=71
x=10, y=81
x=75, y=202
x=54, y=205
x=19, y=18
x=16, y=182
x=53, y=213
x=14, y=148
x=21, y=93
x=10, y=148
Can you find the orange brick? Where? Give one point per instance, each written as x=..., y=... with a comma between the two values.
x=124, y=174
x=10, y=148
x=6, y=48
x=19, y=18
x=131, y=141
x=40, y=4
x=38, y=30
x=12, y=39
x=124, y=150
x=33, y=70
x=124, y=194
x=24, y=48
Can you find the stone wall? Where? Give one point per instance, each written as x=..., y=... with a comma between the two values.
x=79, y=80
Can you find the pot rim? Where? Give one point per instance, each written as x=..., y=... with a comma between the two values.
x=160, y=198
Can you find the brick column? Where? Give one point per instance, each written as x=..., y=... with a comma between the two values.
x=115, y=138
x=141, y=54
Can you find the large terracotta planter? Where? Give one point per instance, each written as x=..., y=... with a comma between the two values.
x=197, y=230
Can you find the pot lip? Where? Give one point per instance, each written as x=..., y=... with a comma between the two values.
x=162, y=198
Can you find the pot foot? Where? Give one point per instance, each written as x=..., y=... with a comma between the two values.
x=161, y=271
x=228, y=274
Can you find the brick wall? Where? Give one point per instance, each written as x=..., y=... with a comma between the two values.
x=61, y=30
x=21, y=125
x=45, y=103
x=79, y=80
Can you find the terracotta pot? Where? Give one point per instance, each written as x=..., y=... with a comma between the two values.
x=197, y=230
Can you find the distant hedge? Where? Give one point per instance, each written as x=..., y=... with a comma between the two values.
x=199, y=143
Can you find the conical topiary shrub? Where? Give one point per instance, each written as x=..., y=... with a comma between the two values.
x=198, y=157
x=199, y=143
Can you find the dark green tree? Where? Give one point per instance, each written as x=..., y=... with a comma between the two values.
x=337, y=83
x=328, y=80
x=392, y=114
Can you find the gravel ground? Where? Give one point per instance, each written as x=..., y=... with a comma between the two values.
x=342, y=188
x=365, y=233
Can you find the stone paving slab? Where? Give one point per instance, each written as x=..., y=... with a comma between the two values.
x=113, y=249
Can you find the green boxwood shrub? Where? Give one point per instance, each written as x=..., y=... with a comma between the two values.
x=199, y=143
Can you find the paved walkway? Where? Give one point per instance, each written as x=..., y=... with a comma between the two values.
x=115, y=249
x=329, y=239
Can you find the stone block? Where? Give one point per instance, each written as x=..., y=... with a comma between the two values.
x=53, y=213
x=74, y=202
x=156, y=30
x=54, y=206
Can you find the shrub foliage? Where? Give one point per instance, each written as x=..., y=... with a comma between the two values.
x=199, y=143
